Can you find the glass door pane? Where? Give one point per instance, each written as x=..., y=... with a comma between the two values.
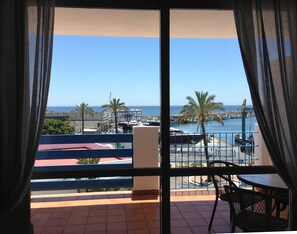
x=205, y=60
x=105, y=92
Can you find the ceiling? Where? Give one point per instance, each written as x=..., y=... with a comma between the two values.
x=144, y=23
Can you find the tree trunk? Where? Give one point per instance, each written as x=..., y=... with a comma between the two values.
x=205, y=142
x=116, y=122
x=82, y=122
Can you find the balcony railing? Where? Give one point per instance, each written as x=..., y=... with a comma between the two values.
x=65, y=147
x=221, y=146
x=183, y=153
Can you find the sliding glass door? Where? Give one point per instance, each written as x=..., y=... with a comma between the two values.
x=133, y=44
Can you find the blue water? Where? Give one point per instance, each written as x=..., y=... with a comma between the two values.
x=230, y=125
x=146, y=110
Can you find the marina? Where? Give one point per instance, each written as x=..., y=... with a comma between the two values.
x=186, y=144
x=151, y=114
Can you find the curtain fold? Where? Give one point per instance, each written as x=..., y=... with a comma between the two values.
x=267, y=33
x=26, y=41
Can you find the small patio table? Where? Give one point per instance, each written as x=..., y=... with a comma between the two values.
x=269, y=182
x=272, y=182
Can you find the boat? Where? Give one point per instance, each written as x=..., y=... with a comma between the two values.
x=178, y=137
x=154, y=123
x=128, y=126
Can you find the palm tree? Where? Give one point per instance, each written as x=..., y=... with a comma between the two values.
x=83, y=110
x=200, y=110
x=115, y=105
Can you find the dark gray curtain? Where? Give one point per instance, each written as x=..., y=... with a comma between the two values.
x=267, y=32
x=26, y=37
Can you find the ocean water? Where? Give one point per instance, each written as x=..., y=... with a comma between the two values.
x=230, y=125
x=146, y=110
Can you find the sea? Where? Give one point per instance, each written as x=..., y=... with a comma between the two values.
x=230, y=125
x=146, y=110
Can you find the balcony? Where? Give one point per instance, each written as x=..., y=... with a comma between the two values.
x=111, y=212
x=117, y=213
x=58, y=156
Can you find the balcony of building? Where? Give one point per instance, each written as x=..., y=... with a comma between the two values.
x=62, y=205
x=116, y=212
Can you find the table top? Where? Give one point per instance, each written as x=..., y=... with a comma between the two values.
x=265, y=181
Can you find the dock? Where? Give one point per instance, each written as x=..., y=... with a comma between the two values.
x=224, y=115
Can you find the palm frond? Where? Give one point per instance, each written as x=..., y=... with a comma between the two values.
x=217, y=118
x=201, y=108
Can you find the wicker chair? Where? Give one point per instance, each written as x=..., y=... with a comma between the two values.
x=219, y=181
x=258, y=216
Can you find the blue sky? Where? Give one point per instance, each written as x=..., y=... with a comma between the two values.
x=88, y=69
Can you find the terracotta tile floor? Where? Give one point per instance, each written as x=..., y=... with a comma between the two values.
x=117, y=213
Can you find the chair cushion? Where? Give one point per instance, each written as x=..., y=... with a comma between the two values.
x=255, y=222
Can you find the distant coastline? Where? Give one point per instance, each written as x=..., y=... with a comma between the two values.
x=146, y=110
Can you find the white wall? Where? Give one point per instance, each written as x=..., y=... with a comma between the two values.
x=261, y=152
x=145, y=144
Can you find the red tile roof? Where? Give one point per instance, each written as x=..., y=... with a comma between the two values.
x=60, y=162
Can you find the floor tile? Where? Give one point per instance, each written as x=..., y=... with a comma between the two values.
x=179, y=230
x=117, y=206
x=186, y=208
x=218, y=221
x=119, y=214
x=153, y=224
x=190, y=215
x=142, y=231
x=178, y=223
x=176, y=215
x=117, y=232
x=200, y=230
x=205, y=214
x=135, y=217
x=198, y=222
x=97, y=212
x=53, y=230
x=116, y=226
x=154, y=231
x=77, y=220
x=116, y=218
x=45, y=210
x=203, y=208
x=82, y=213
x=80, y=208
x=116, y=212
x=96, y=219
x=42, y=216
x=99, y=207
x=57, y=222
x=136, y=225
x=74, y=229
x=37, y=230
x=39, y=222
x=221, y=229
x=64, y=209
x=61, y=215
x=95, y=227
